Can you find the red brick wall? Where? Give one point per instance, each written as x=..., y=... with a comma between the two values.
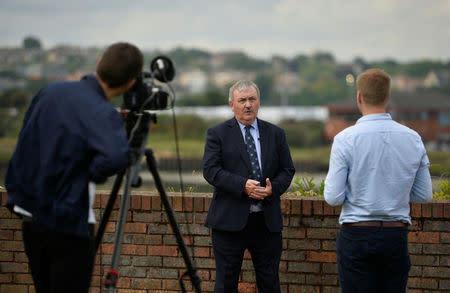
x=151, y=261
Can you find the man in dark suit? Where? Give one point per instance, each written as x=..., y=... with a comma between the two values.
x=248, y=162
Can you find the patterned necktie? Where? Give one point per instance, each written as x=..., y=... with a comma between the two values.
x=253, y=156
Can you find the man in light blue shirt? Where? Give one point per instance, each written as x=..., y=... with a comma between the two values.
x=377, y=167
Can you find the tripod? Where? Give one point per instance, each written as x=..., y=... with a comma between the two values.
x=138, y=129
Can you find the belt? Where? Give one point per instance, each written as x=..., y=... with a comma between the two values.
x=389, y=224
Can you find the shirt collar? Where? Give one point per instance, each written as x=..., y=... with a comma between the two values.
x=254, y=125
x=92, y=80
x=371, y=117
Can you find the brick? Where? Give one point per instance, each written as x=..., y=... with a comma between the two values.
x=437, y=272
x=447, y=210
x=307, y=207
x=246, y=288
x=141, y=217
x=6, y=214
x=292, y=278
x=321, y=279
x=170, y=284
x=437, y=210
x=156, y=203
x=415, y=271
x=188, y=204
x=6, y=256
x=330, y=268
x=424, y=260
x=416, y=210
x=177, y=204
x=329, y=245
x=322, y=233
x=11, y=245
x=13, y=288
x=331, y=289
x=415, y=248
x=324, y=256
x=444, y=285
x=198, y=204
x=4, y=197
x=285, y=206
x=136, y=202
x=318, y=207
x=133, y=249
x=433, y=225
x=175, y=262
x=293, y=255
x=294, y=233
x=303, y=289
x=163, y=250
x=328, y=210
x=423, y=237
x=135, y=228
x=296, y=206
x=444, y=261
x=20, y=257
x=12, y=267
x=6, y=278
x=15, y=224
x=24, y=279
x=146, y=203
x=436, y=249
x=303, y=267
x=445, y=237
x=161, y=273
x=202, y=252
x=427, y=211
x=305, y=244
x=6, y=235
x=107, y=248
x=150, y=284
x=420, y=283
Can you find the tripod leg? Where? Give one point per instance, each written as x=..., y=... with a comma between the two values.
x=192, y=271
x=113, y=275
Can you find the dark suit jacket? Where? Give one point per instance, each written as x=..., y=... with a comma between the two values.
x=226, y=166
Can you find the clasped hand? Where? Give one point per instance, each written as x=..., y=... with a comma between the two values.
x=255, y=191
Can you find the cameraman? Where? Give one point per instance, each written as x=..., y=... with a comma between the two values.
x=71, y=135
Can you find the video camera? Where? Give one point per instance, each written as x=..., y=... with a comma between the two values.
x=149, y=96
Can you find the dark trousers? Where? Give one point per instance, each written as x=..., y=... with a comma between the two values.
x=265, y=250
x=373, y=259
x=58, y=262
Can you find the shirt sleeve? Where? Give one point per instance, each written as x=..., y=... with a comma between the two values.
x=422, y=190
x=336, y=180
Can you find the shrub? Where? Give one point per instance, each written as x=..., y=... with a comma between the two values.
x=305, y=186
x=443, y=191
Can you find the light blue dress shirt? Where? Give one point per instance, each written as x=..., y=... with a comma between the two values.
x=254, y=131
x=377, y=167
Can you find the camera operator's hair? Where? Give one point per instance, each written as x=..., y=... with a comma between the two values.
x=374, y=85
x=120, y=63
x=241, y=85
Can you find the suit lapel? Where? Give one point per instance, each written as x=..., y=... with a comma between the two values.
x=239, y=140
x=264, y=143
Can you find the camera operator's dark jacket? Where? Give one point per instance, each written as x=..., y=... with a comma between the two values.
x=71, y=134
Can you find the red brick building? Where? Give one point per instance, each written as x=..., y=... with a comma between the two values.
x=426, y=113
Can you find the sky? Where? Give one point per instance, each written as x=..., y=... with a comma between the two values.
x=404, y=30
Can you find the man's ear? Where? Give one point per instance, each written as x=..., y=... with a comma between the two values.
x=359, y=98
x=98, y=60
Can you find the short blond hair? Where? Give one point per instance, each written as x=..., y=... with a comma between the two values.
x=374, y=86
